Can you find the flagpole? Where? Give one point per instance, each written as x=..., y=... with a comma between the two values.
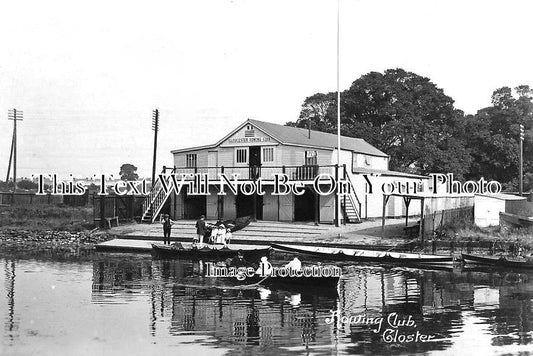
x=337, y=223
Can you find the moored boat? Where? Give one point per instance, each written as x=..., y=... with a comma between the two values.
x=516, y=220
x=324, y=285
x=209, y=253
x=498, y=261
x=302, y=281
x=358, y=255
x=238, y=223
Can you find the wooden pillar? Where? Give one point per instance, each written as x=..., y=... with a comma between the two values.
x=220, y=209
x=102, y=211
x=407, y=201
x=344, y=196
x=317, y=208
x=385, y=201
x=132, y=207
x=421, y=229
x=337, y=200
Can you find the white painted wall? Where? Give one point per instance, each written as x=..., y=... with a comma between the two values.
x=370, y=162
x=487, y=210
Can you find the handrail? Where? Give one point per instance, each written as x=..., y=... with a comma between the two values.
x=353, y=195
x=352, y=188
x=160, y=203
x=245, y=166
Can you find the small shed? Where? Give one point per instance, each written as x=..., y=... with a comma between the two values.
x=487, y=207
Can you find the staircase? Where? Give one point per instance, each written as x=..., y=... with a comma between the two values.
x=351, y=206
x=154, y=203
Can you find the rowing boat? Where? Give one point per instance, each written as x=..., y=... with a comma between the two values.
x=301, y=282
x=498, y=261
x=208, y=253
x=358, y=255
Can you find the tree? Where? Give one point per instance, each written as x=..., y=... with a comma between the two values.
x=26, y=184
x=319, y=111
x=6, y=186
x=401, y=113
x=494, y=137
x=128, y=172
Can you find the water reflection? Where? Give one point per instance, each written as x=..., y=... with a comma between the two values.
x=10, y=324
x=273, y=320
x=175, y=306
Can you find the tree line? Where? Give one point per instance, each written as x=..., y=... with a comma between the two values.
x=408, y=117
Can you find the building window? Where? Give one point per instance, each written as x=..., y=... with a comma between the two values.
x=242, y=155
x=311, y=158
x=249, y=132
x=191, y=160
x=268, y=154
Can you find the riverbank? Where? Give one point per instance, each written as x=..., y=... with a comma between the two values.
x=39, y=239
x=490, y=240
x=71, y=228
x=38, y=227
x=40, y=217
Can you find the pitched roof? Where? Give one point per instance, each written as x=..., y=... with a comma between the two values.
x=289, y=135
x=387, y=173
x=319, y=139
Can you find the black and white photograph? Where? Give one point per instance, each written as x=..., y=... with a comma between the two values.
x=251, y=177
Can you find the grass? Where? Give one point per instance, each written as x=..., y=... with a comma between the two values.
x=46, y=217
x=524, y=235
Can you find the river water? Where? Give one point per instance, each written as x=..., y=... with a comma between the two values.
x=127, y=304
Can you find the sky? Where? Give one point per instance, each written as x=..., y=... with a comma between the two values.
x=87, y=75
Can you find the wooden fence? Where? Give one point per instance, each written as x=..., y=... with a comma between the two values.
x=114, y=208
x=29, y=198
x=458, y=217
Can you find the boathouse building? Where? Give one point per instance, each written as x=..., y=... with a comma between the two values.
x=257, y=150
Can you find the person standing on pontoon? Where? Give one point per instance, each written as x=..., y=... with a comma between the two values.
x=167, y=223
x=200, y=230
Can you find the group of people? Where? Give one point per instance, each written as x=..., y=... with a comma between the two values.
x=220, y=234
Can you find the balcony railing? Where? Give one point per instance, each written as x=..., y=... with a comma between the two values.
x=265, y=173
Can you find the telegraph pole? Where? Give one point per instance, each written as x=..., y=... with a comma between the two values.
x=15, y=115
x=521, y=160
x=337, y=196
x=155, y=127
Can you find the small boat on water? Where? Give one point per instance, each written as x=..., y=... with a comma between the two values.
x=498, y=261
x=358, y=255
x=304, y=280
x=322, y=285
x=212, y=252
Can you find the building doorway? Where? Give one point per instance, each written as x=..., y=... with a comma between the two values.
x=193, y=205
x=255, y=162
x=245, y=205
x=305, y=206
